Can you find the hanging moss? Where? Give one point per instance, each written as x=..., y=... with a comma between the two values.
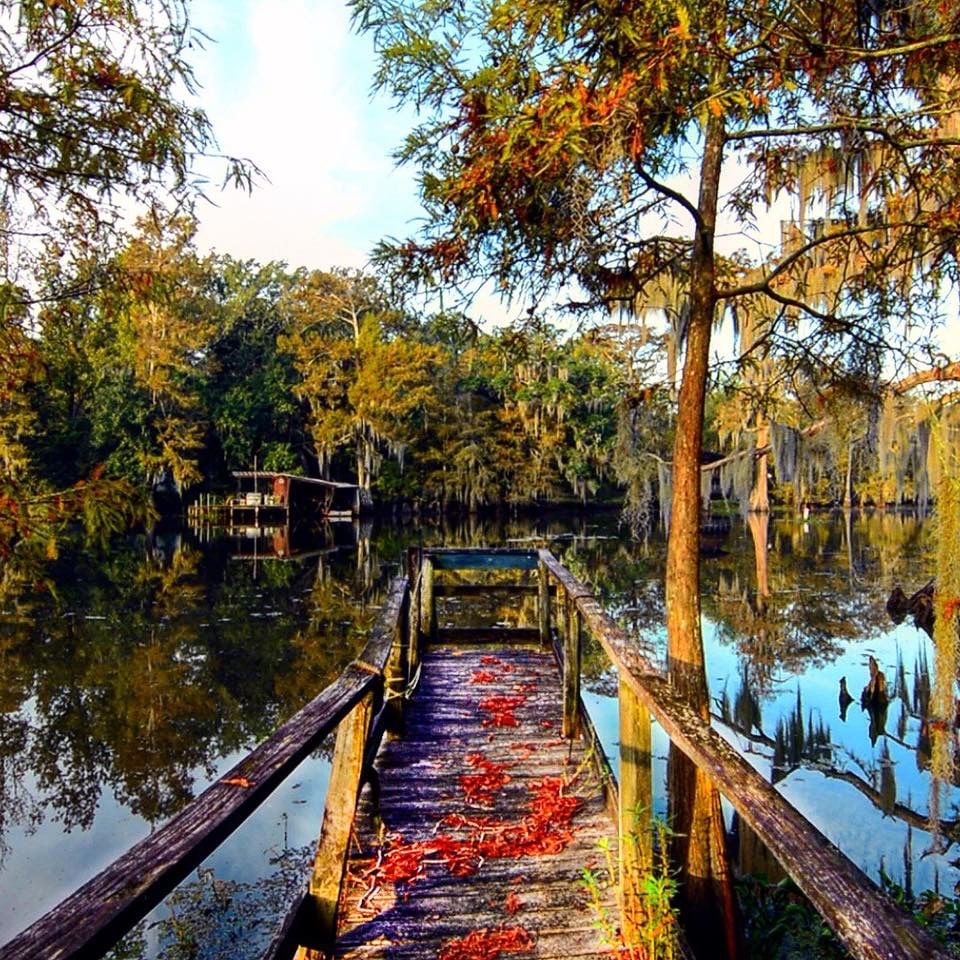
x=736, y=476
x=665, y=486
x=706, y=484
x=784, y=445
x=904, y=452
x=921, y=458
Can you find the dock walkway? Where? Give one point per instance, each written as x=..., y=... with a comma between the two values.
x=486, y=820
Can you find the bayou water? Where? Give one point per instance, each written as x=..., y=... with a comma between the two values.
x=134, y=677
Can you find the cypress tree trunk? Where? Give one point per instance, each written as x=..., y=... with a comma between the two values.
x=706, y=899
x=759, y=525
x=760, y=497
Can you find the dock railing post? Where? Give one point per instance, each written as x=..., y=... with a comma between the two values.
x=427, y=600
x=414, y=563
x=561, y=608
x=397, y=670
x=571, y=667
x=636, y=802
x=543, y=605
x=333, y=845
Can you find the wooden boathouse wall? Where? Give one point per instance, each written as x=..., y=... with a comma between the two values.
x=359, y=706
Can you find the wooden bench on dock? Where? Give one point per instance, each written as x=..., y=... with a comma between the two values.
x=468, y=795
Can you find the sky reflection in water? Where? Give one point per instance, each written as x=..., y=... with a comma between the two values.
x=166, y=660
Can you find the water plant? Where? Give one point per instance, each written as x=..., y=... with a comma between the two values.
x=647, y=928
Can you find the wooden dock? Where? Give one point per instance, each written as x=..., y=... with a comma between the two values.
x=468, y=795
x=485, y=821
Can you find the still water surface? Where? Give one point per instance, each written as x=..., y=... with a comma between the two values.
x=156, y=666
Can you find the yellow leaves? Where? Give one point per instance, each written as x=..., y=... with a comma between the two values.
x=682, y=30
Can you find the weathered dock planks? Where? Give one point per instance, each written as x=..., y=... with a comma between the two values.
x=486, y=820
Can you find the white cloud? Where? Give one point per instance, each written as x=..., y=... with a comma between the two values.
x=287, y=84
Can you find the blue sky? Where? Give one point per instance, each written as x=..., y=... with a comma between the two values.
x=287, y=83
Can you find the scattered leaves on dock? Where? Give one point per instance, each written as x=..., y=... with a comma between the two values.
x=487, y=944
x=500, y=710
x=480, y=789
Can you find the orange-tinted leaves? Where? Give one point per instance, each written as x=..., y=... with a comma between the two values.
x=500, y=710
x=487, y=944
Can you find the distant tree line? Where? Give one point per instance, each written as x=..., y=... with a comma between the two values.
x=165, y=367
x=175, y=368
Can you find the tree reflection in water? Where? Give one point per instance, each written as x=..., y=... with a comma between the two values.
x=138, y=677
x=208, y=918
x=790, y=610
x=158, y=661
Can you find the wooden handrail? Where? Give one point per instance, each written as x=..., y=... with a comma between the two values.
x=868, y=923
x=94, y=917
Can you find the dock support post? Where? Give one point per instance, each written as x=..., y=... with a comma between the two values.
x=332, y=847
x=414, y=612
x=571, y=668
x=397, y=670
x=428, y=602
x=636, y=802
x=543, y=607
x=561, y=608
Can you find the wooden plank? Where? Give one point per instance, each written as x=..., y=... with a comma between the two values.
x=563, y=886
x=89, y=921
x=482, y=589
x=498, y=635
x=868, y=923
x=550, y=946
x=492, y=559
x=569, y=919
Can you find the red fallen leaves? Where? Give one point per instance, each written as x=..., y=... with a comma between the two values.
x=483, y=676
x=512, y=904
x=546, y=829
x=487, y=944
x=479, y=789
x=950, y=607
x=500, y=710
x=490, y=661
x=404, y=862
x=550, y=805
x=238, y=782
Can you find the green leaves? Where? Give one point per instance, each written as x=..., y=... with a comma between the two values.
x=94, y=105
